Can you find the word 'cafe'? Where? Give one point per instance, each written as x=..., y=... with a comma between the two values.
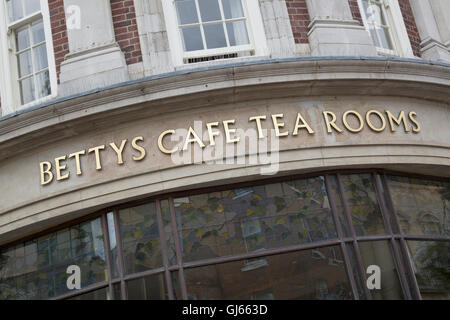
x=375, y=121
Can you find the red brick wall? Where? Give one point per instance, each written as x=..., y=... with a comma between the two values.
x=125, y=28
x=411, y=27
x=59, y=32
x=354, y=8
x=299, y=16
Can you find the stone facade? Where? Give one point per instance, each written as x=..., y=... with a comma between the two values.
x=117, y=80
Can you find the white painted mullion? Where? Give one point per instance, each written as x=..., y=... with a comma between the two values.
x=197, y=6
x=33, y=63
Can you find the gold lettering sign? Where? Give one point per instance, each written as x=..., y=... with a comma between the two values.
x=351, y=121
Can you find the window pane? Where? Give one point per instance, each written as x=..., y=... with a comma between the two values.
x=15, y=11
x=101, y=294
x=38, y=32
x=192, y=39
x=384, y=34
x=209, y=9
x=232, y=9
x=32, y=6
x=140, y=238
x=117, y=292
x=43, y=80
x=237, y=33
x=148, y=288
x=355, y=271
x=250, y=219
x=430, y=261
x=310, y=274
x=37, y=269
x=421, y=205
x=27, y=90
x=373, y=34
x=363, y=204
x=22, y=38
x=385, y=38
x=25, y=64
x=379, y=253
x=187, y=12
x=214, y=36
x=88, y=251
x=373, y=14
x=176, y=285
x=40, y=57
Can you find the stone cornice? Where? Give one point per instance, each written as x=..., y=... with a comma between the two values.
x=63, y=117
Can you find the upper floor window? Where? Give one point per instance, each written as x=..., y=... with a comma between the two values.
x=203, y=30
x=27, y=39
x=384, y=21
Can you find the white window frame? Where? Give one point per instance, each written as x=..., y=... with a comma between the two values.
x=255, y=29
x=397, y=29
x=9, y=84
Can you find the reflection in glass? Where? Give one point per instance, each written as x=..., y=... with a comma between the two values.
x=363, y=204
x=379, y=253
x=430, y=261
x=257, y=218
x=25, y=64
x=140, y=238
x=149, y=288
x=167, y=225
x=214, y=35
x=38, y=32
x=422, y=206
x=215, y=25
x=27, y=90
x=192, y=38
x=43, y=80
x=117, y=292
x=40, y=57
x=334, y=190
x=237, y=33
x=15, y=10
x=232, y=9
x=113, y=250
x=377, y=24
x=101, y=294
x=37, y=269
x=32, y=6
x=176, y=285
x=355, y=271
x=310, y=274
x=186, y=11
x=209, y=10
x=22, y=38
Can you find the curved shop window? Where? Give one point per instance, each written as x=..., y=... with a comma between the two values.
x=308, y=238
